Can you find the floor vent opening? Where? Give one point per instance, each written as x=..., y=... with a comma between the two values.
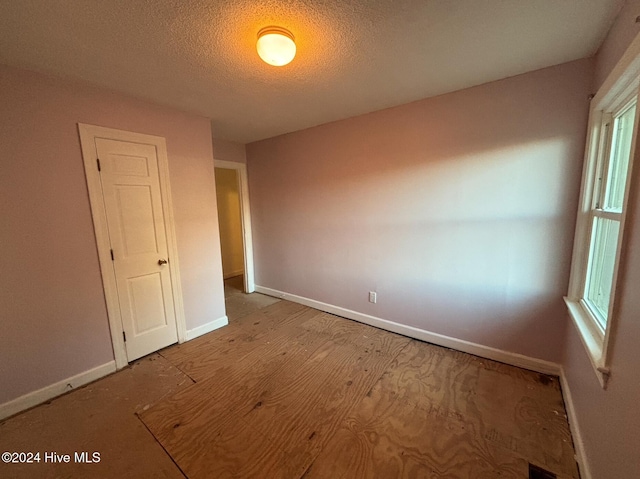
x=536, y=472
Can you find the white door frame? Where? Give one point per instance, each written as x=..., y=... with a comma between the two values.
x=245, y=218
x=88, y=133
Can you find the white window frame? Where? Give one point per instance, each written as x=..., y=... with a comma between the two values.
x=618, y=90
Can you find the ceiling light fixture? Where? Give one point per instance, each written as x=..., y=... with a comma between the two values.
x=276, y=46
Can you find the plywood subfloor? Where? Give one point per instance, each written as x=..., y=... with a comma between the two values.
x=290, y=392
x=286, y=391
x=238, y=303
x=98, y=418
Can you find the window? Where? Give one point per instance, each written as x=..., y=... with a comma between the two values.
x=606, y=211
x=600, y=225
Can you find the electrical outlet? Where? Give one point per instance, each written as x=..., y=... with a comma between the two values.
x=373, y=297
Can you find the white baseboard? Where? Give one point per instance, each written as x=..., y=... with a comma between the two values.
x=207, y=328
x=41, y=395
x=514, y=359
x=233, y=274
x=578, y=444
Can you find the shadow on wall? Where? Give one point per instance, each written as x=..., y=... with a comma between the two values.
x=459, y=210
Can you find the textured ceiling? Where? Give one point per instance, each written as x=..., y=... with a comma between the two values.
x=353, y=56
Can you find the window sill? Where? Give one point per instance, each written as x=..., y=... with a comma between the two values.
x=592, y=338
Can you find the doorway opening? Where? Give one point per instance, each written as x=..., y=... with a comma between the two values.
x=234, y=219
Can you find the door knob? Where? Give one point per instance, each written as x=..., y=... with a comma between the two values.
x=162, y=261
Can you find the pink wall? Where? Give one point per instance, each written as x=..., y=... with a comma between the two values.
x=622, y=32
x=610, y=419
x=458, y=210
x=229, y=151
x=53, y=316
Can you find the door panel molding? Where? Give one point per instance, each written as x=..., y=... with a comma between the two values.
x=88, y=135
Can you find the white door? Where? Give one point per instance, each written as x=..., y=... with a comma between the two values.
x=136, y=223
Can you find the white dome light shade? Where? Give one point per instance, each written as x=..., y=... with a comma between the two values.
x=276, y=46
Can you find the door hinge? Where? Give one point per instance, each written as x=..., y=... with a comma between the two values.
x=98, y=161
x=112, y=258
x=124, y=336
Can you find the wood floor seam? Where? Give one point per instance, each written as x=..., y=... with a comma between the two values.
x=163, y=448
x=178, y=367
